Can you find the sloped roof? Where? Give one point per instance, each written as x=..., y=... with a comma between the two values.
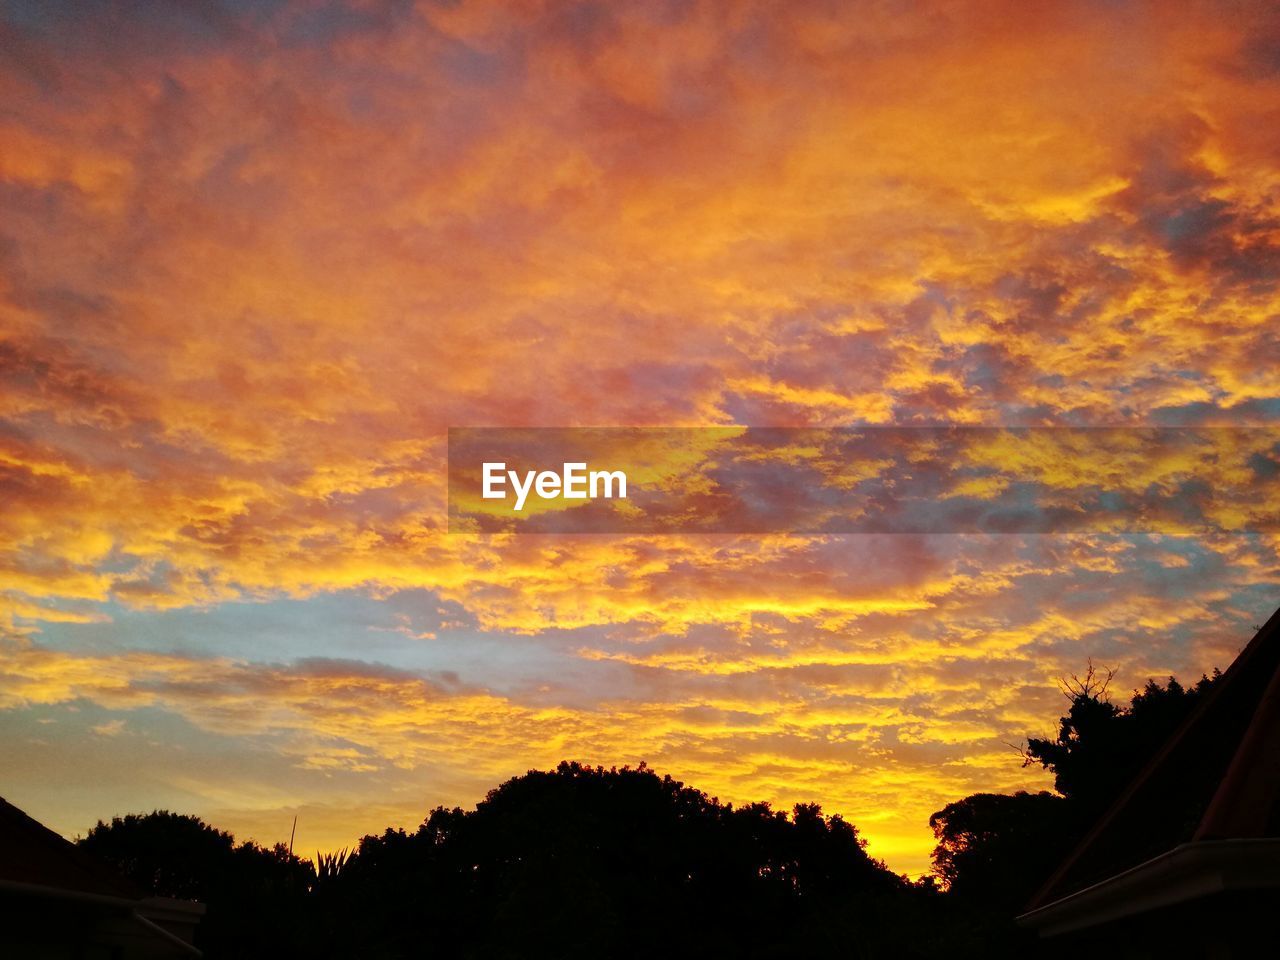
x=34, y=854
x=1217, y=778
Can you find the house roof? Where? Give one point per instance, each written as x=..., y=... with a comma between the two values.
x=1216, y=778
x=39, y=864
x=1188, y=872
x=35, y=855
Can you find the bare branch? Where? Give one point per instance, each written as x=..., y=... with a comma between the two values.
x=1093, y=685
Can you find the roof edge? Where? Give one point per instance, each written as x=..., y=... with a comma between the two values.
x=1188, y=872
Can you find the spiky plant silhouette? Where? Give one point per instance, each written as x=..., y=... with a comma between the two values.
x=328, y=866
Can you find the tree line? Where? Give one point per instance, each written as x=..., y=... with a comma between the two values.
x=593, y=862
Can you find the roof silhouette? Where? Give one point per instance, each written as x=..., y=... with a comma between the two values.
x=69, y=903
x=1216, y=779
x=36, y=855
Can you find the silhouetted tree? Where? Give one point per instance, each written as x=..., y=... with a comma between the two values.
x=591, y=862
x=996, y=850
x=254, y=896
x=991, y=846
x=1101, y=747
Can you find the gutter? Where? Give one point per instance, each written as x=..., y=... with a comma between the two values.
x=1188, y=872
x=127, y=904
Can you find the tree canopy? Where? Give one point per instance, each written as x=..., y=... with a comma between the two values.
x=254, y=895
x=574, y=862
x=588, y=862
x=998, y=849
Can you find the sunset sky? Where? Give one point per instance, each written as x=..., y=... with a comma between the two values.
x=257, y=258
